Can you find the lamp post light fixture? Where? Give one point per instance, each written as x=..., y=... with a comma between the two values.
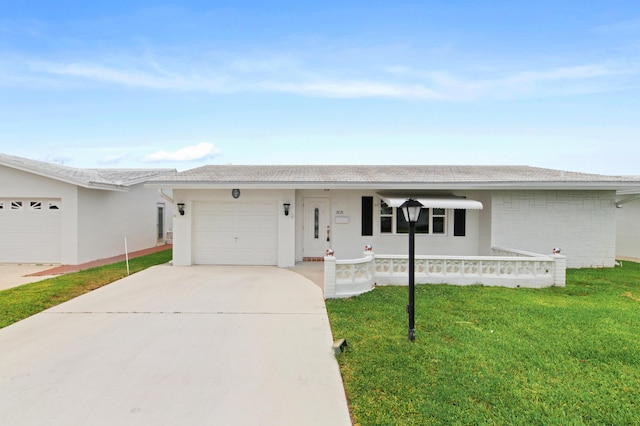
x=411, y=210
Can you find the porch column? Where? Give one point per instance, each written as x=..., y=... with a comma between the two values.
x=560, y=270
x=329, y=277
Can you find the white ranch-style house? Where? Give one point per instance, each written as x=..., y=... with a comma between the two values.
x=495, y=225
x=50, y=213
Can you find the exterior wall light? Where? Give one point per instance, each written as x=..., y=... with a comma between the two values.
x=411, y=210
x=181, y=208
x=286, y=207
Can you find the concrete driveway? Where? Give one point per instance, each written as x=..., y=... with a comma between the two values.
x=200, y=345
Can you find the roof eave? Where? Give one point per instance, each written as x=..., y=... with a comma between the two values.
x=83, y=184
x=138, y=181
x=41, y=173
x=147, y=178
x=612, y=186
x=106, y=186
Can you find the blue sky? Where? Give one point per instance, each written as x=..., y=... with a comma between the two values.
x=160, y=84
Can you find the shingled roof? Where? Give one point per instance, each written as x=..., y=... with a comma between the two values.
x=109, y=179
x=400, y=176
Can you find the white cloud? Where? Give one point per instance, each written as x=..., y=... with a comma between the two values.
x=152, y=77
x=353, y=89
x=190, y=153
x=97, y=72
x=276, y=64
x=626, y=27
x=565, y=73
x=59, y=159
x=589, y=78
x=113, y=159
x=286, y=75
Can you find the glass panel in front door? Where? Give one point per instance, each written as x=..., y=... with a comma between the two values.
x=160, y=222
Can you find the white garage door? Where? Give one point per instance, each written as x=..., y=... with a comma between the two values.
x=236, y=233
x=30, y=231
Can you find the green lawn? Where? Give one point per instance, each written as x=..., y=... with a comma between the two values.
x=488, y=355
x=21, y=302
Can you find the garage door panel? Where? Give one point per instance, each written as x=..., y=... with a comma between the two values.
x=234, y=257
x=30, y=235
x=231, y=240
x=235, y=233
x=213, y=223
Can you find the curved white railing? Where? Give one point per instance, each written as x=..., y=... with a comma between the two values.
x=346, y=278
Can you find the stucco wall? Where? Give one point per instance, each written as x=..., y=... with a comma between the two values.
x=628, y=230
x=182, y=225
x=107, y=217
x=484, y=221
x=581, y=223
x=19, y=184
x=348, y=242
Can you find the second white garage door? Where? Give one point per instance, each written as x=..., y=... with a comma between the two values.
x=30, y=231
x=236, y=233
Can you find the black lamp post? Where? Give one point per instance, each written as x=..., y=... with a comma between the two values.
x=411, y=210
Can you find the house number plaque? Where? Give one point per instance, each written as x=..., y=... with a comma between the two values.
x=235, y=193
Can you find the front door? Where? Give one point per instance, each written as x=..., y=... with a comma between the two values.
x=317, y=227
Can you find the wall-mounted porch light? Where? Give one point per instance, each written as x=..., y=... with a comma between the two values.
x=181, y=208
x=286, y=207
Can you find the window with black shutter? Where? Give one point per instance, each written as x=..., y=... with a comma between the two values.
x=459, y=222
x=367, y=216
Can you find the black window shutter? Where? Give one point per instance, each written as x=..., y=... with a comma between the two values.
x=367, y=216
x=459, y=222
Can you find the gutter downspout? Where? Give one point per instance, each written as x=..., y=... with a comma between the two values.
x=165, y=196
x=620, y=203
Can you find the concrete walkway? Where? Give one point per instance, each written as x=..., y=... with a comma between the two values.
x=314, y=271
x=198, y=345
x=65, y=269
x=17, y=274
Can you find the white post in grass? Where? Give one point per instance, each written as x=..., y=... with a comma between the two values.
x=126, y=254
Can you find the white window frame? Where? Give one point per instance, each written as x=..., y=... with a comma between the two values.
x=382, y=215
x=432, y=220
x=394, y=221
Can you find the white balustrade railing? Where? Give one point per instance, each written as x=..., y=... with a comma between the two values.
x=489, y=270
x=344, y=278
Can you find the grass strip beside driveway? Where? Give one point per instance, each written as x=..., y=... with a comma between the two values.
x=491, y=355
x=21, y=302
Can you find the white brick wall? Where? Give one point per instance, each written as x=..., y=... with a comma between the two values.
x=581, y=223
